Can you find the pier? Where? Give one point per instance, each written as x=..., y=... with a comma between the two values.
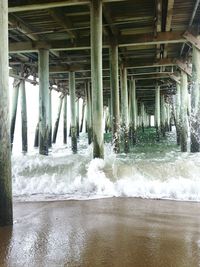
x=134, y=64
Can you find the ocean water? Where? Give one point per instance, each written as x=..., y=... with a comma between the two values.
x=151, y=170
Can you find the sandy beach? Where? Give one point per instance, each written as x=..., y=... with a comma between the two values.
x=120, y=232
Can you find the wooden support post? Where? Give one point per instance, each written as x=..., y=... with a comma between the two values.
x=65, y=120
x=77, y=117
x=36, y=140
x=142, y=115
x=124, y=107
x=114, y=81
x=89, y=112
x=178, y=109
x=15, y=95
x=6, y=214
x=82, y=116
x=73, y=111
x=163, y=114
x=157, y=113
x=170, y=116
x=70, y=130
x=146, y=124
x=149, y=120
x=167, y=117
x=110, y=114
x=195, y=102
x=97, y=82
x=43, y=101
x=50, y=119
x=136, y=110
x=24, y=117
x=130, y=113
x=183, y=117
x=106, y=118
x=55, y=131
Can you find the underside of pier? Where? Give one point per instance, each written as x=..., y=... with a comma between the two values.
x=133, y=59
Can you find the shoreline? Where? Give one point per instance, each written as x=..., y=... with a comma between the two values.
x=17, y=199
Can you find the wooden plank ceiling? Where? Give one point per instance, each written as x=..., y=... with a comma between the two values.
x=148, y=33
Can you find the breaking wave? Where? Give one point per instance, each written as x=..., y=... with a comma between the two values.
x=152, y=172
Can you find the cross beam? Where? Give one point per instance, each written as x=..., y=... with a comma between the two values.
x=64, y=3
x=125, y=41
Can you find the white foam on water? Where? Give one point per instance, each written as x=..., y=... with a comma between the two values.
x=63, y=175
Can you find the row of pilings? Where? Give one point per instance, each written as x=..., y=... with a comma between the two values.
x=131, y=114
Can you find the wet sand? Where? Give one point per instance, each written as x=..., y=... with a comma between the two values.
x=120, y=232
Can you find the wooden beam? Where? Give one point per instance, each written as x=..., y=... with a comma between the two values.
x=170, y=7
x=184, y=67
x=62, y=20
x=175, y=78
x=149, y=73
x=150, y=39
x=158, y=63
x=106, y=13
x=64, y=3
x=125, y=41
x=159, y=16
x=128, y=65
x=194, y=40
x=26, y=30
x=151, y=76
x=158, y=25
x=22, y=27
x=59, y=69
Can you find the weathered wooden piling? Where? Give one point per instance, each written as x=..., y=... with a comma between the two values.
x=142, y=116
x=55, y=131
x=15, y=96
x=169, y=111
x=89, y=112
x=50, y=119
x=24, y=117
x=157, y=112
x=82, y=116
x=178, y=110
x=114, y=82
x=167, y=120
x=124, y=108
x=107, y=118
x=183, y=117
x=6, y=214
x=163, y=114
x=97, y=82
x=65, y=120
x=134, y=110
x=110, y=114
x=43, y=101
x=36, y=139
x=195, y=102
x=73, y=111
x=77, y=117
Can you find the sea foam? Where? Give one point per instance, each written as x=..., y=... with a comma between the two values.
x=64, y=175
